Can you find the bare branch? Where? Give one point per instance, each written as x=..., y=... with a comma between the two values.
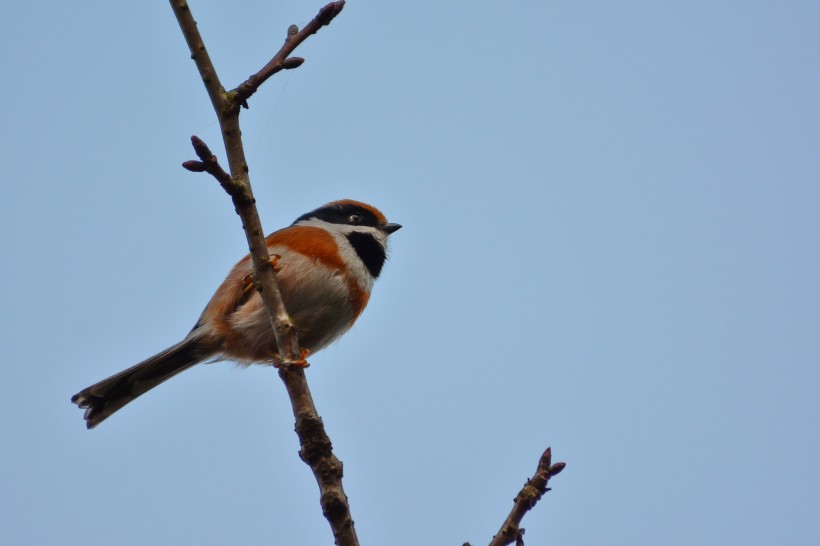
x=316, y=448
x=530, y=494
x=317, y=452
x=210, y=165
x=280, y=60
x=199, y=54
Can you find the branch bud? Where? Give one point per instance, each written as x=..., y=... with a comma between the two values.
x=201, y=149
x=556, y=469
x=546, y=458
x=292, y=62
x=194, y=166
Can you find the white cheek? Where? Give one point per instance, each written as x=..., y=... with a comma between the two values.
x=355, y=265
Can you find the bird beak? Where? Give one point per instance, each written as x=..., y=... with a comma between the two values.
x=390, y=228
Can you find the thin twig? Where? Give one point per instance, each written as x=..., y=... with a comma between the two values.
x=209, y=164
x=199, y=54
x=280, y=61
x=530, y=494
x=316, y=448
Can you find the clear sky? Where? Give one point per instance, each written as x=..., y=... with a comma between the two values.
x=611, y=247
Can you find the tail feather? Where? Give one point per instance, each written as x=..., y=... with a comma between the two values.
x=109, y=395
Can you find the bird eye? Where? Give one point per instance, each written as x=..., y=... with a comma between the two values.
x=354, y=218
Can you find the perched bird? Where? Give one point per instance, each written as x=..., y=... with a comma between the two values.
x=325, y=263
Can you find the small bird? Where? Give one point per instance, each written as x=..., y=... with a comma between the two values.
x=325, y=264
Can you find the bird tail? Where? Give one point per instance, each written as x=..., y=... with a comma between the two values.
x=109, y=395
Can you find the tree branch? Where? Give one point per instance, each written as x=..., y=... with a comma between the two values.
x=209, y=164
x=316, y=448
x=280, y=61
x=199, y=54
x=526, y=500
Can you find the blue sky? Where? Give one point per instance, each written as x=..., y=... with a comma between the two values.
x=611, y=247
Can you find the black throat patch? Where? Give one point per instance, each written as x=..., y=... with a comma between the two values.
x=370, y=251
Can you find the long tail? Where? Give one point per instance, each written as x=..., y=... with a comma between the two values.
x=104, y=398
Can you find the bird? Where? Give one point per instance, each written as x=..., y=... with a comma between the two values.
x=325, y=264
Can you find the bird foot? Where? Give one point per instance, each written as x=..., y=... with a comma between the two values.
x=247, y=280
x=300, y=362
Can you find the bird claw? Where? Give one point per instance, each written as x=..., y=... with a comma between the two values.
x=300, y=362
x=247, y=280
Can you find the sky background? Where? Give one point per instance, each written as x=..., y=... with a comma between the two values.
x=611, y=247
